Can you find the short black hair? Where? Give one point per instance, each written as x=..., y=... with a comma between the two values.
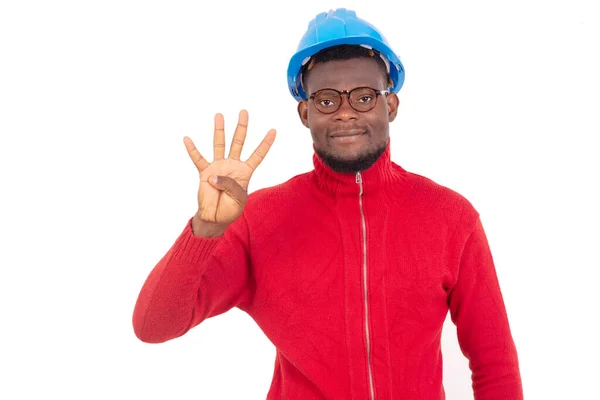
x=345, y=52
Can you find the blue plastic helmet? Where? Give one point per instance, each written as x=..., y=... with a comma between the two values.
x=338, y=27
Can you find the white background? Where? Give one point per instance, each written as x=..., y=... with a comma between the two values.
x=501, y=103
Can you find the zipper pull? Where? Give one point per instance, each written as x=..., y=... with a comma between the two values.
x=359, y=181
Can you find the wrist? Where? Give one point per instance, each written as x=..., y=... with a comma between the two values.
x=207, y=229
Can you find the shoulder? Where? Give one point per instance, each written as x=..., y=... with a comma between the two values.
x=271, y=209
x=439, y=200
x=278, y=197
x=281, y=191
x=424, y=186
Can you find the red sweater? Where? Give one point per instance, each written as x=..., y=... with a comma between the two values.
x=351, y=278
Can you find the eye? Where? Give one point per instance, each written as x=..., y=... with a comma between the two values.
x=326, y=103
x=365, y=99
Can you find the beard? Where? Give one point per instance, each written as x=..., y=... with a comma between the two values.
x=359, y=164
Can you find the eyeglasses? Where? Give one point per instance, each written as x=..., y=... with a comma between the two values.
x=362, y=99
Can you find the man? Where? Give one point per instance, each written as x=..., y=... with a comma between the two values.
x=350, y=269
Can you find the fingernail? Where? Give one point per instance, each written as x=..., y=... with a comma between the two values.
x=213, y=179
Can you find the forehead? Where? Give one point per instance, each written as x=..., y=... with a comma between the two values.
x=345, y=74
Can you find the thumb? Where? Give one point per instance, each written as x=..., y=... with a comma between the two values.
x=230, y=187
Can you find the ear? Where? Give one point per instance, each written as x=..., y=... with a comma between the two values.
x=392, y=104
x=303, y=112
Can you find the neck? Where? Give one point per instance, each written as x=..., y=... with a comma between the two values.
x=335, y=182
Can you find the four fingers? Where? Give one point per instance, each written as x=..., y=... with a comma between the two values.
x=237, y=144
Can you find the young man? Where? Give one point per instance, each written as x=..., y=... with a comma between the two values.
x=350, y=269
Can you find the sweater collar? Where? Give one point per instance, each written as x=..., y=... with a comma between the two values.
x=380, y=173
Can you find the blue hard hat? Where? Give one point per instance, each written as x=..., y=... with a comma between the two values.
x=338, y=27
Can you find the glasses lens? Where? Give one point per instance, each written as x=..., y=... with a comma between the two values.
x=363, y=99
x=327, y=101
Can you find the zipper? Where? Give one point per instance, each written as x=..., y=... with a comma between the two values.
x=359, y=181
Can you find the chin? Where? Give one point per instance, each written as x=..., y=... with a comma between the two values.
x=347, y=156
x=350, y=163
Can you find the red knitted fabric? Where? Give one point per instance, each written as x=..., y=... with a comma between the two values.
x=352, y=290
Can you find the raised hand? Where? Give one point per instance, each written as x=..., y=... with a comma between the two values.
x=224, y=182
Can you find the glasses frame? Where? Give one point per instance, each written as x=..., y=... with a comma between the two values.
x=347, y=93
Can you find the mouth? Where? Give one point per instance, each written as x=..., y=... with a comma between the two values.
x=347, y=133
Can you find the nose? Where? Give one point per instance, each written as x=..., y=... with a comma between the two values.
x=346, y=112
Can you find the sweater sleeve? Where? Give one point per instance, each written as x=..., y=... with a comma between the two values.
x=198, y=278
x=478, y=311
